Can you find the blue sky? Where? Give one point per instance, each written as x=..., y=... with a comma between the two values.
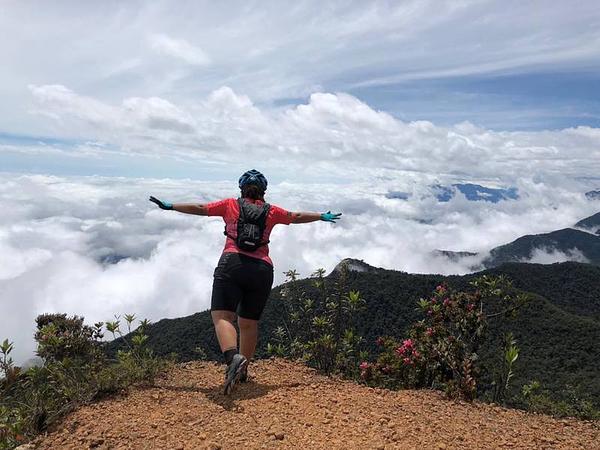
x=524, y=101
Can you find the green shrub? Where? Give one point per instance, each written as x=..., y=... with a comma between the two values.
x=75, y=371
x=574, y=403
x=320, y=330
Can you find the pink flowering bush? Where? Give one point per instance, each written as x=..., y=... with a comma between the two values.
x=442, y=348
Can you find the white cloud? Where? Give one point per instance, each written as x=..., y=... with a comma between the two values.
x=57, y=231
x=550, y=256
x=179, y=49
x=333, y=133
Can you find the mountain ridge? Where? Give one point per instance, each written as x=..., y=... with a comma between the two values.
x=578, y=243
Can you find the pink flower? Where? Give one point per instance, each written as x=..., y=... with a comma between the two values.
x=407, y=361
x=416, y=354
x=470, y=307
x=441, y=289
x=446, y=301
x=386, y=369
x=379, y=341
x=429, y=312
x=429, y=331
x=364, y=365
x=401, y=351
x=407, y=343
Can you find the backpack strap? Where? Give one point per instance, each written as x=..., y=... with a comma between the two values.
x=263, y=222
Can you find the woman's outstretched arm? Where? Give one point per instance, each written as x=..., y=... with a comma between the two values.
x=199, y=209
x=305, y=217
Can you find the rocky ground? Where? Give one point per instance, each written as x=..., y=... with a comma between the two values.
x=287, y=405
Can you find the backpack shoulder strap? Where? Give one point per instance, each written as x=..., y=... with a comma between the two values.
x=242, y=215
x=241, y=203
x=264, y=215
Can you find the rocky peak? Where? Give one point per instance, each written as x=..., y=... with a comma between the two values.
x=354, y=265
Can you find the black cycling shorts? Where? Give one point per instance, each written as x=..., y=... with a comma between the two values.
x=241, y=284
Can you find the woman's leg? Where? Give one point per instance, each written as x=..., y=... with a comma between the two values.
x=225, y=329
x=248, y=336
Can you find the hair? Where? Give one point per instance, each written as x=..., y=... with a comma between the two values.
x=253, y=192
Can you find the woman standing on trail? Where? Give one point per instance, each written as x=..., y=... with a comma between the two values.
x=244, y=275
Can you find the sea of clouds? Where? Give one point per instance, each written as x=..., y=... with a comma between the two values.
x=96, y=246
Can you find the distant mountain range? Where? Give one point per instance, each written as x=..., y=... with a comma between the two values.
x=593, y=195
x=580, y=243
x=473, y=192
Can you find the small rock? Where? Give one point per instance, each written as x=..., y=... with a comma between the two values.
x=441, y=446
x=96, y=443
x=279, y=436
x=213, y=446
x=326, y=420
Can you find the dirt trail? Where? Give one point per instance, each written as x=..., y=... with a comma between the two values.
x=287, y=405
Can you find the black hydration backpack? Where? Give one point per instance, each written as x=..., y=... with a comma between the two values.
x=251, y=225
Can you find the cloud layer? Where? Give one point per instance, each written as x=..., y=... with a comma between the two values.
x=59, y=234
x=334, y=134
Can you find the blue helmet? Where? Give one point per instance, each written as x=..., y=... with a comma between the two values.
x=253, y=177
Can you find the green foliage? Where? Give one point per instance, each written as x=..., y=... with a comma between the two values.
x=75, y=371
x=504, y=370
x=319, y=330
x=573, y=403
x=442, y=348
x=59, y=337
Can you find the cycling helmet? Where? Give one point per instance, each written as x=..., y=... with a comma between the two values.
x=253, y=177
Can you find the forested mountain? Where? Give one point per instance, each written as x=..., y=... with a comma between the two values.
x=591, y=223
x=579, y=244
x=573, y=243
x=557, y=331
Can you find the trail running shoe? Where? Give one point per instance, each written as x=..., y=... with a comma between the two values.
x=233, y=372
x=244, y=375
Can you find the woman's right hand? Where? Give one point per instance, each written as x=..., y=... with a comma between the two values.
x=329, y=217
x=161, y=204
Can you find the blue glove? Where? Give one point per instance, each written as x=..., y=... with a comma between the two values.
x=161, y=204
x=328, y=217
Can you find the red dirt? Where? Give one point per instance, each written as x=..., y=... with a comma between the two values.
x=289, y=406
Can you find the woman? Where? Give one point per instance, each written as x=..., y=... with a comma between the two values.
x=244, y=275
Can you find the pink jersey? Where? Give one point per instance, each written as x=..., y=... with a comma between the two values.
x=229, y=210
